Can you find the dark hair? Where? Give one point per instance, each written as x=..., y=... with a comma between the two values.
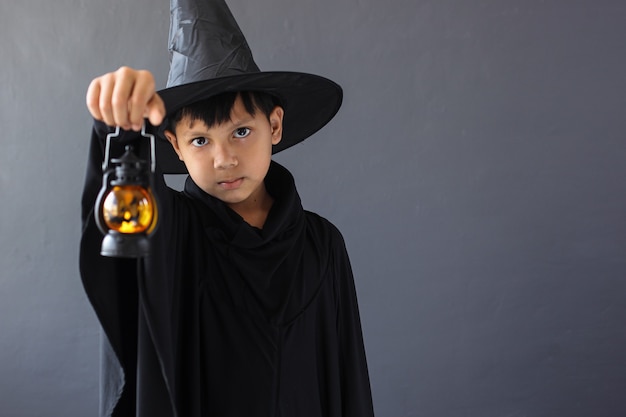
x=216, y=110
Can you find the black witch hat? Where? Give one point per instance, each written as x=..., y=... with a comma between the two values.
x=209, y=55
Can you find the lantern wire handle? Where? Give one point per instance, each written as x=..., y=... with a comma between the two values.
x=152, y=147
x=107, y=147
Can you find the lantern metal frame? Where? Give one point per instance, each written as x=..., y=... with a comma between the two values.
x=115, y=243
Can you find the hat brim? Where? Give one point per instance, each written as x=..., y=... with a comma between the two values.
x=309, y=102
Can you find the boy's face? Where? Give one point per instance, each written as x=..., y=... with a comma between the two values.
x=229, y=161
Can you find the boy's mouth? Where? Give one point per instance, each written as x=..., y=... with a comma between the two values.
x=230, y=184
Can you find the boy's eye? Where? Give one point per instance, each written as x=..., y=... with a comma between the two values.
x=200, y=141
x=242, y=132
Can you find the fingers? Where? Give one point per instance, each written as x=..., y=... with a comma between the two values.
x=155, y=111
x=143, y=97
x=120, y=86
x=124, y=97
x=93, y=99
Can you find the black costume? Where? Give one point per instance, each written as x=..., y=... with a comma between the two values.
x=224, y=319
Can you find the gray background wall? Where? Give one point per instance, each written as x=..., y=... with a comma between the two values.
x=477, y=171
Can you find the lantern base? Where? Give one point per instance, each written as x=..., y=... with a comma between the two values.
x=120, y=245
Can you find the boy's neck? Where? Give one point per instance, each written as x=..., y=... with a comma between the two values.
x=255, y=210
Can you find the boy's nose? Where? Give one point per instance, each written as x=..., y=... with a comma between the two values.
x=224, y=158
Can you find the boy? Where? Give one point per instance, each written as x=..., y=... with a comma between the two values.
x=246, y=304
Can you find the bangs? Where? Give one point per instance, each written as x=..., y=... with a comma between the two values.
x=216, y=110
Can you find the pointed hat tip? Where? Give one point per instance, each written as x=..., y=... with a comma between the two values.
x=205, y=42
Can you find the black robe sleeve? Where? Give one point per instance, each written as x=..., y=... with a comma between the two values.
x=111, y=285
x=354, y=377
x=113, y=294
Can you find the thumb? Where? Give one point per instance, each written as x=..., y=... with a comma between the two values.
x=155, y=110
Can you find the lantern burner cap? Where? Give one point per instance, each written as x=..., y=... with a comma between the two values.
x=130, y=169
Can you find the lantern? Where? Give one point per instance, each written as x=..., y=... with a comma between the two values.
x=126, y=209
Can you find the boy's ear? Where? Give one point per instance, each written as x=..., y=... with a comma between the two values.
x=172, y=139
x=276, y=124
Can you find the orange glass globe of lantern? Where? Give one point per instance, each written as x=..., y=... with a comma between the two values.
x=126, y=208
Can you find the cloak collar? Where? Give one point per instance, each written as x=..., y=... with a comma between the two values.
x=284, y=218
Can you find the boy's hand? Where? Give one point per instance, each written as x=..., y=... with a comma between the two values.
x=124, y=98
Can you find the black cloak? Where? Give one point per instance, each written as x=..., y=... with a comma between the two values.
x=224, y=319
